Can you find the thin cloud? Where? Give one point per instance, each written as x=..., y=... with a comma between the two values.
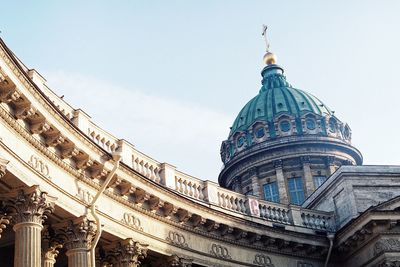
x=183, y=134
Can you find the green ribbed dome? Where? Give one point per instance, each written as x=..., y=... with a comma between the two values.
x=277, y=97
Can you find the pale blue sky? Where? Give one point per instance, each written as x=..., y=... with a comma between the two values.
x=178, y=72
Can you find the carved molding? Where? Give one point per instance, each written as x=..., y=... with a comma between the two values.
x=220, y=251
x=177, y=239
x=39, y=165
x=85, y=195
x=386, y=245
x=262, y=260
x=389, y=263
x=29, y=204
x=132, y=221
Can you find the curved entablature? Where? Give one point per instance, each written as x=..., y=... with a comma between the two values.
x=70, y=158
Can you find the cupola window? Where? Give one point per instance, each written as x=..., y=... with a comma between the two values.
x=347, y=133
x=285, y=126
x=310, y=124
x=332, y=125
x=260, y=132
x=240, y=141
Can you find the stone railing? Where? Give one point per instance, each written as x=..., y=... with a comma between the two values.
x=189, y=186
x=274, y=212
x=318, y=220
x=231, y=200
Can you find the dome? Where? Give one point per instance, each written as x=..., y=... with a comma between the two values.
x=279, y=111
x=277, y=97
x=284, y=125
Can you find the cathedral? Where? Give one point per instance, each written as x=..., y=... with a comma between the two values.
x=292, y=191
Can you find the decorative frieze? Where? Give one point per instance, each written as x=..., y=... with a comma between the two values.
x=177, y=239
x=39, y=165
x=262, y=260
x=85, y=195
x=132, y=221
x=389, y=263
x=220, y=252
x=387, y=245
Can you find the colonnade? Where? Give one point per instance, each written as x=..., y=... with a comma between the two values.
x=38, y=244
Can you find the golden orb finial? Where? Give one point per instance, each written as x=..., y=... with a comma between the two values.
x=269, y=58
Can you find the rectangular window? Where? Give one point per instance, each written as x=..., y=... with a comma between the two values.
x=319, y=180
x=296, y=190
x=271, y=192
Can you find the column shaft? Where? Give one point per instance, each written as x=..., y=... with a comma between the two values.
x=78, y=258
x=27, y=245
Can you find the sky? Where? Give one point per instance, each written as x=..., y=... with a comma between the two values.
x=171, y=76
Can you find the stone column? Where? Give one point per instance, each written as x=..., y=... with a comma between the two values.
x=78, y=235
x=280, y=180
x=175, y=261
x=50, y=248
x=29, y=207
x=308, y=178
x=129, y=253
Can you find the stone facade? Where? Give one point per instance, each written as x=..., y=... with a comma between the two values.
x=54, y=160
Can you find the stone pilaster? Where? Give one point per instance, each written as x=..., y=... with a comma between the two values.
x=28, y=208
x=280, y=180
x=50, y=248
x=331, y=168
x=175, y=261
x=308, y=178
x=254, y=182
x=79, y=234
x=129, y=253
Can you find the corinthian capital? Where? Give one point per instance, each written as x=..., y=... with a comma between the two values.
x=175, y=261
x=78, y=233
x=4, y=221
x=129, y=253
x=29, y=204
x=50, y=245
